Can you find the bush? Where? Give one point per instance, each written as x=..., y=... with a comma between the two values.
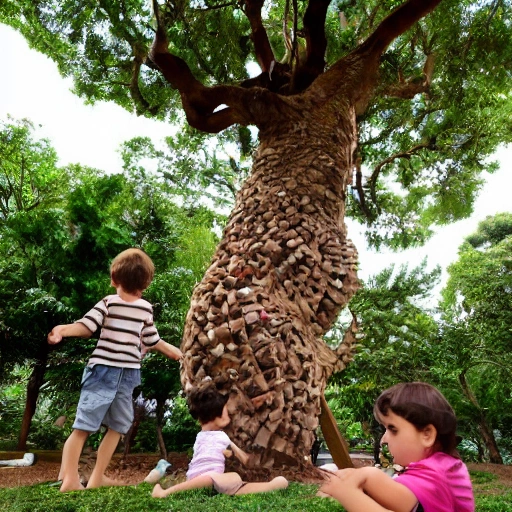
x=180, y=429
x=12, y=404
x=146, y=439
x=46, y=436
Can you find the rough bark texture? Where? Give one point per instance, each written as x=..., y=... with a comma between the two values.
x=280, y=275
x=284, y=268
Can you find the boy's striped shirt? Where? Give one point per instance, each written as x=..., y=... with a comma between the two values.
x=124, y=326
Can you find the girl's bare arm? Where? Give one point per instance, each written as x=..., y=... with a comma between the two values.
x=369, y=489
x=242, y=456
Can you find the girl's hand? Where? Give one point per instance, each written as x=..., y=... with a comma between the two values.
x=331, y=485
x=343, y=478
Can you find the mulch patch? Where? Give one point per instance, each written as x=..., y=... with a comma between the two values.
x=134, y=468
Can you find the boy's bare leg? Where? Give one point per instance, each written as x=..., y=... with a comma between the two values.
x=279, y=482
x=70, y=458
x=105, y=451
x=199, y=482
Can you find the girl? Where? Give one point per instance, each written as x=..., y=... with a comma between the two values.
x=420, y=433
x=206, y=468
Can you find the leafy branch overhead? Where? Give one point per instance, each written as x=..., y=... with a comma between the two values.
x=427, y=121
x=249, y=102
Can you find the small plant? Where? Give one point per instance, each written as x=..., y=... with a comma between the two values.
x=180, y=429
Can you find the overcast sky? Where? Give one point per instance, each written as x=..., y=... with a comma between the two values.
x=31, y=87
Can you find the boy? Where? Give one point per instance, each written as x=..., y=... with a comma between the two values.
x=113, y=371
x=206, y=469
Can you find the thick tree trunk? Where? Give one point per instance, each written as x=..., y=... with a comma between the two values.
x=280, y=276
x=34, y=385
x=284, y=268
x=483, y=427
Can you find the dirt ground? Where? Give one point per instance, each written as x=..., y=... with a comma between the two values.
x=134, y=468
x=131, y=470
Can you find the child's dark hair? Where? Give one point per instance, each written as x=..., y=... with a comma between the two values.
x=421, y=404
x=206, y=403
x=133, y=270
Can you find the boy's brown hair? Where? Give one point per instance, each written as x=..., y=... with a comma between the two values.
x=133, y=270
x=421, y=404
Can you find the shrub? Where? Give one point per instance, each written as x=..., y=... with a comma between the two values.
x=180, y=429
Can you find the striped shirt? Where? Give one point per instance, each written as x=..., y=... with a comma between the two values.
x=124, y=326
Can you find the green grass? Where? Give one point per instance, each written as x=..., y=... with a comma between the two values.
x=490, y=494
x=490, y=497
x=43, y=498
x=481, y=477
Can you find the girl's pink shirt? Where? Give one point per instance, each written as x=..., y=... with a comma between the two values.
x=208, y=453
x=440, y=482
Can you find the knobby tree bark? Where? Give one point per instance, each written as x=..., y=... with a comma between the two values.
x=284, y=267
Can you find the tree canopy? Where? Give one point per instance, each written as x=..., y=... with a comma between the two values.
x=60, y=227
x=440, y=108
x=476, y=336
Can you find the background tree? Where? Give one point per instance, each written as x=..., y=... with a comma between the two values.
x=29, y=176
x=194, y=167
x=30, y=182
x=476, y=336
x=55, y=252
x=349, y=103
x=397, y=333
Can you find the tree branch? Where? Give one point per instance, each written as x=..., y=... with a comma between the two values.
x=398, y=22
x=209, y=109
x=314, y=32
x=215, y=7
x=262, y=48
x=360, y=191
x=407, y=89
x=359, y=68
x=141, y=103
x=316, y=44
x=139, y=53
x=404, y=154
x=199, y=102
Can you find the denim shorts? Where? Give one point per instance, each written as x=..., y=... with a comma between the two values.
x=106, y=398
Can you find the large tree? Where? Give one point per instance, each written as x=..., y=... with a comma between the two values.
x=476, y=341
x=348, y=103
x=397, y=331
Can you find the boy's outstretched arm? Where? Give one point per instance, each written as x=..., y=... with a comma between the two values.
x=168, y=350
x=76, y=330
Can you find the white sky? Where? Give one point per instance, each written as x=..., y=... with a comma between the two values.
x=31, y=87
